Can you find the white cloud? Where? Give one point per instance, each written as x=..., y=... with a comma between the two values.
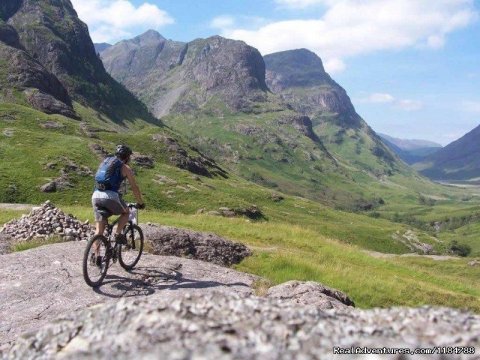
x=222, y=22
x=409, y=105
x=385, y=98
x=300, y=4
x=112, y=20
x=471, y=106
x=350, y=28
x=380, y=98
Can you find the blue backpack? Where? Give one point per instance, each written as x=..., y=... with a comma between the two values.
x=109, y=174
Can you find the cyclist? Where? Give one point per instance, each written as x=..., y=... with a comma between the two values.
x=106, y=199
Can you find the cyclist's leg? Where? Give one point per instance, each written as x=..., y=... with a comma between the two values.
x=122, y=221
x=101, y=220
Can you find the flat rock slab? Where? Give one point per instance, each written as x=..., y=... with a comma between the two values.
x=38, y=285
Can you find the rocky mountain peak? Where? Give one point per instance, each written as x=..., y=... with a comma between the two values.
x=149, y=36
x=185, y=76
x=295, y=68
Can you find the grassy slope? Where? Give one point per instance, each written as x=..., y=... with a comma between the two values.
x=25, y=154
x=302, y=239
x=285, y=251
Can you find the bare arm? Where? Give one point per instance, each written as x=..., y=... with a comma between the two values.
x=128, y=173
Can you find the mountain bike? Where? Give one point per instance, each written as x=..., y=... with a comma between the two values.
x=102, y=248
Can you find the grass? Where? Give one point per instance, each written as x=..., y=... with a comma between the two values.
x=284, y=251
x=36, y=242
x=300, y=239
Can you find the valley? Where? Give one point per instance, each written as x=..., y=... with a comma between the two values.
x=265, y=150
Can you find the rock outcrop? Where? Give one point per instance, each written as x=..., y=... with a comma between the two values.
x=24, y=74
x=165, y=240
x=229, y=326
x=182, y=308
x=179, y=157
x=310, y=293
x=49, y=55
x=38, y=285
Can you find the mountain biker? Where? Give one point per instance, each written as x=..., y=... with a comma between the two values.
x=106, y=199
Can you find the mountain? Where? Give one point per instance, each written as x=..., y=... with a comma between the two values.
x=410, y=150
x=280, y=121
x=172, y=76
x=299, y=78
x=51, y=63
x=101, y=47
x=61, y=112
x=459, y=160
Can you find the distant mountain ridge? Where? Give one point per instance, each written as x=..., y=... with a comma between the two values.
x=459, y=160
x=411, y=150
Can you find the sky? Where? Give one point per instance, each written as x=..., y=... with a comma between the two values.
x=410, y=67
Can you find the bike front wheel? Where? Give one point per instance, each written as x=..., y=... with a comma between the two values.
x=96, y=260
x=131, y=252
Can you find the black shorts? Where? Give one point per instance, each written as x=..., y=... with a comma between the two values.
x=108, y=208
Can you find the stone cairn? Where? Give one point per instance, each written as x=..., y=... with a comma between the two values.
x=47, y=221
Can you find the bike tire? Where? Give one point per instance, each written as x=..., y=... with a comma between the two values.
x=88, y=267
x=133, y=249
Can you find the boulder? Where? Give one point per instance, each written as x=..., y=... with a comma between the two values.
x=49, y=187
x=143, y=161
x=208, y=247
x=310, y=293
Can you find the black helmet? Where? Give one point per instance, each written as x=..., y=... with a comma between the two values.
x=123, y=151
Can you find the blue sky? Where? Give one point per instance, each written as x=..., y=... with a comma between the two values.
x=411, y=67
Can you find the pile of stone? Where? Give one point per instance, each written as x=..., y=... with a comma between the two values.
x=47, y=221
x=165, y=240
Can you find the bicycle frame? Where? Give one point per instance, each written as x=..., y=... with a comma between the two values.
x=132, y=220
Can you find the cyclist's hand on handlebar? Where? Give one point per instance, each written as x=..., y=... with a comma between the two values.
x=141, y=206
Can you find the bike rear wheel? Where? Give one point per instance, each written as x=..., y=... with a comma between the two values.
x=131, y=252
x=96, y=260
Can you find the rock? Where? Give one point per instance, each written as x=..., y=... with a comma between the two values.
x=52, y=125
x=5, y=243
x=179, y=157
x=235, y=326
x=276, y=197
x=302, y=123
x=143, y=161
x=474, y=263
x=49, y=187
x=47, y=220
x=8, y=132
x=41, y=284
x=49, y=105
x=99, y=151
x=310, y=293
x=202, y=246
